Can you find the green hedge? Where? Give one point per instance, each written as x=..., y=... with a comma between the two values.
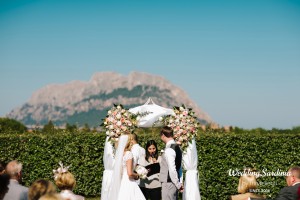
x=40, y=154
x=217, y=154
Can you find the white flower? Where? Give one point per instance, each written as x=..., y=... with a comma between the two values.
x=118, y=116
x=119, y=123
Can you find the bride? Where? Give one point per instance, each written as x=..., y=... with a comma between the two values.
x=123, y=184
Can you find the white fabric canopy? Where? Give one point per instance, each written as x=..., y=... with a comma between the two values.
x=154, y=112
x=191, y=183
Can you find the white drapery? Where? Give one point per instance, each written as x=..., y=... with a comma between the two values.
x=153, y=111
x=191, y=183
x=108, y=161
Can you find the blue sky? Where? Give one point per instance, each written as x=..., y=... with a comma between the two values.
x=238, y=60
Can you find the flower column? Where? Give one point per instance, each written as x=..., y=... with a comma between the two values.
x=185, y=127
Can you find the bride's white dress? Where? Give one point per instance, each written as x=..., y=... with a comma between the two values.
x=129, y=190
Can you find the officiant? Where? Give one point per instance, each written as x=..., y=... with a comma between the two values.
x=151, y=186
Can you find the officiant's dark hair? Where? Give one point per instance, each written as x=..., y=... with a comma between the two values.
x=149, y=143
x=167, y=131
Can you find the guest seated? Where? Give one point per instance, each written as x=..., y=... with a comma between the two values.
x=39, y=188
x=151, y=186
x=292, y=191
x=247, y=184
x=65, y=181
x=15, y=190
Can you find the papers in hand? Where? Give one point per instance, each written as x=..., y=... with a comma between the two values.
x=153, y=169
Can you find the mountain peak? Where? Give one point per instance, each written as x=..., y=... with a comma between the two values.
x=84, y=101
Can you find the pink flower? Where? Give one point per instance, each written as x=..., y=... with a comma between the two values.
x=185, y=113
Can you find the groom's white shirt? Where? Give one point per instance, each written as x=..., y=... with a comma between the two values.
x=170, y=156
x=137, y=152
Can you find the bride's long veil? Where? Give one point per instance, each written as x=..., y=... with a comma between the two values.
x=117, y=173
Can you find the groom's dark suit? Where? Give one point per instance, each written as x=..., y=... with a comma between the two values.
x=289, y=193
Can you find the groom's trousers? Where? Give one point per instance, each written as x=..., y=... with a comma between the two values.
x=169, y=191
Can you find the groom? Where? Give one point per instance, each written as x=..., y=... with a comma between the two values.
x=170, y=166
x=137, y=151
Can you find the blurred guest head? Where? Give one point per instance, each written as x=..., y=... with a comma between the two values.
x=14, y=170
x=246, y=183
x=65, y=181
x=293, y=176
x=51, y=197
x=2, y=167
x=39, y=188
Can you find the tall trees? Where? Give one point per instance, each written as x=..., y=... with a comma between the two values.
x=11, y=124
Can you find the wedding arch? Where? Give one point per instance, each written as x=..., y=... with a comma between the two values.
x=181, y=119
x=153, y=115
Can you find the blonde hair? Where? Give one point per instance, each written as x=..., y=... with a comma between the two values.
x=39, y=188
x=129, y=142
x=65, y=181
x=51, y=197
x=246, y=183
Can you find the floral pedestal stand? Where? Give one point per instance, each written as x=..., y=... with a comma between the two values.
x=191, y=183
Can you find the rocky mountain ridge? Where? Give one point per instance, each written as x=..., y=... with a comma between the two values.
x=80, y=102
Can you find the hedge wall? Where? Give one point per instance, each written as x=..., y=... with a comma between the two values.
x=217, y=154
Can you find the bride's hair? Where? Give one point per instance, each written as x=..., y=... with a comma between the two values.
x=129, y=142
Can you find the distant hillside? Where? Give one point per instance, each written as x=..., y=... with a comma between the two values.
x=79, y=102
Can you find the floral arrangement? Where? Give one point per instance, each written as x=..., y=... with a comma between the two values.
x=118, y=121
x=141, y=171
x=184, y=124
x=60, y=170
